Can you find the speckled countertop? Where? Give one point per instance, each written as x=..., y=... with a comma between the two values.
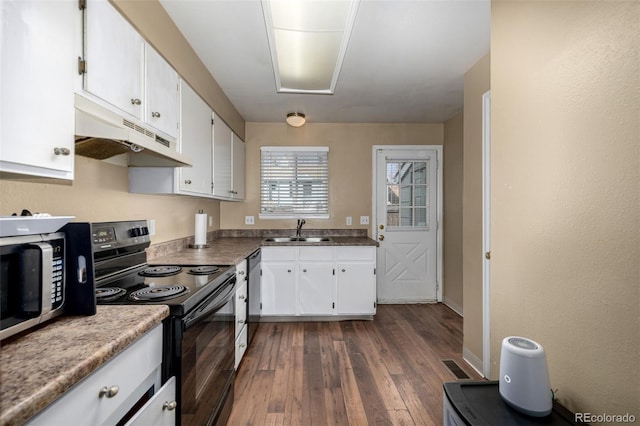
x=38, y=367
x=231, y=248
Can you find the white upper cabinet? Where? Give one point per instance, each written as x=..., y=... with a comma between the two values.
x=228, y=162
x=238, y=171
x=126, y=72
x=161, y=106
x=195, y=142
x=114, y=53
x=37, y=84
x=222, y=164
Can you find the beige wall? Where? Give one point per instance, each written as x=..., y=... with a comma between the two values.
x=155, y=25
x=99, y=192
x=452, y=211
x=476, y=83
x=565, y=92
x=350, y=149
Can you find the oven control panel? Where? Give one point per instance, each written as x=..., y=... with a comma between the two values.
x=109, y=235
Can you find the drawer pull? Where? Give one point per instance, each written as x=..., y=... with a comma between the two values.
x=109, y=392
x=169, y=405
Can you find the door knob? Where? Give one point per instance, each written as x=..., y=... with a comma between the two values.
x=381, y=237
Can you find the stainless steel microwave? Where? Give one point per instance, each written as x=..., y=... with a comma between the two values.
x=41, y=277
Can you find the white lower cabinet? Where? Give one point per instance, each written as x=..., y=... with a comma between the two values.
x=241, y=311
x=160, y=410
x=278, y=292
x=316, y=289
x=318, y=281
x=105, y=396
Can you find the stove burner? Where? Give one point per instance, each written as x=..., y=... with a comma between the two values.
x=160, y=271
x=107, y=294
x=160, y=292
x=204, y=270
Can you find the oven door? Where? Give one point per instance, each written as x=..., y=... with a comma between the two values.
x=207, y=358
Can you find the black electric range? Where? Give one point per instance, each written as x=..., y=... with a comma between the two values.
x=199, y=334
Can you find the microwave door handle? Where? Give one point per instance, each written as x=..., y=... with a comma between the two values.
x=214, y=303
x=47, y=275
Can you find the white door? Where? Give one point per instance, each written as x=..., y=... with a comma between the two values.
x=161, y=109
x=406, y=197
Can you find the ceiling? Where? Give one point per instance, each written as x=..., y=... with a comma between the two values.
x=405, y=61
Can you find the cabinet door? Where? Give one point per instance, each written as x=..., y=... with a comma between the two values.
x=316, y=289
x=114, y=55
x=38, y=67
x=238, y=154
x=278, y=289
x=356, y=287
x=195, y=142
x=160, y=410
x=161, y=109
x=221, y=159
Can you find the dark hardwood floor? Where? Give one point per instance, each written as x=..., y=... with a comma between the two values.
x=382, y=372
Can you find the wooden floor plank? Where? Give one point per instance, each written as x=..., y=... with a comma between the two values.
x=382, y=372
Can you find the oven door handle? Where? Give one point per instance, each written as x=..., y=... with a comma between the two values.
x=214, y=302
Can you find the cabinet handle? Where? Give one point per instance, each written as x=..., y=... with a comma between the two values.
x=109, y=392
x=289, y=270
x=135, y=101
x=61, y=151
x=344, y=270
x=304, y=270
x=240, y=272
x=240, y=322
x=233, y=192
x=155, y=114
x=169, y=405
x=242, y=345
x=241, y=297
x=188, y=181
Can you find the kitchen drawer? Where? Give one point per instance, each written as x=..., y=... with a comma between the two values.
x=160, y=410
x=241, y=345
x=241, y=307
x=278, y=253
x=321, y=253
x=133, y=371
x=355, y=253
x=241, y=271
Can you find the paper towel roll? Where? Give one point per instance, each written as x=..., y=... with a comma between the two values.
x=201, y=229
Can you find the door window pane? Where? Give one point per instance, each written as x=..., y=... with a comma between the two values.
x=407, y=194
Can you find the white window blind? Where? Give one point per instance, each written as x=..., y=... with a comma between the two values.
x=294, y=182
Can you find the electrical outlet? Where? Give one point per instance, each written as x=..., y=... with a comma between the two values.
x=249, y=220
x=210, y=220
x=152, y=226
x=349, y=221
x=364, y=220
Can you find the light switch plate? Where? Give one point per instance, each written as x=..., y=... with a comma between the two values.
x=364, y=220
x=152, y=226
x=210, y=220
x=349, y=221
x=249, y=220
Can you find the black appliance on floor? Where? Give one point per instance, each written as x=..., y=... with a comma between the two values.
x=479, y=403
x=199, y=335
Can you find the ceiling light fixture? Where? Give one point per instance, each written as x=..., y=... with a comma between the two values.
x=296, y=119
x=308, y=41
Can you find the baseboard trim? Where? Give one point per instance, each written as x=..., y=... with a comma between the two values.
x=472, y=360
x=453, y=306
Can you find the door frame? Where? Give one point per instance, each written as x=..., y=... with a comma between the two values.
x=486, y=233
x=439, y=206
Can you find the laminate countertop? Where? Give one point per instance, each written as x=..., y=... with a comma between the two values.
x=232, y=250
x=38, y=367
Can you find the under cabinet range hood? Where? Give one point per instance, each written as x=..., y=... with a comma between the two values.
x=101, y=133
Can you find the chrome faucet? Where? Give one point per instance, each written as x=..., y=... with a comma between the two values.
x=299, y=227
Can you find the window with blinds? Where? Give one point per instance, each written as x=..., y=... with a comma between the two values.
x=294, y=182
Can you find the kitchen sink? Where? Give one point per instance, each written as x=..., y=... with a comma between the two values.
x=297, y=240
